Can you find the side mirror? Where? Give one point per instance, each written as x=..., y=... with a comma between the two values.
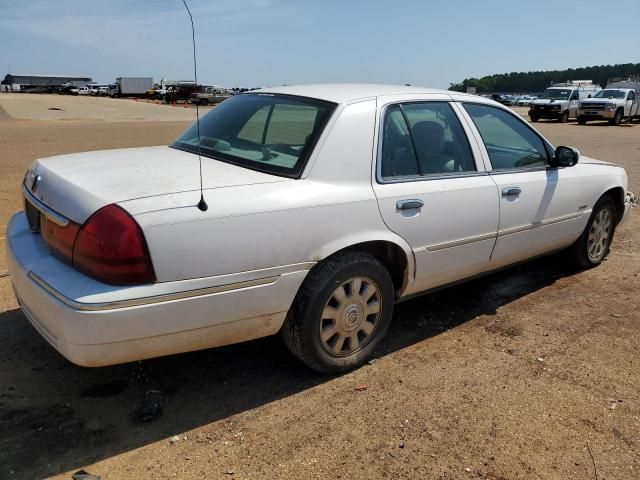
x=565, y=157
x=589, y=96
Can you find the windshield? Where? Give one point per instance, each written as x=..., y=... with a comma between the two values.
x=556, y=94
x=269, y=133
x=610, y=94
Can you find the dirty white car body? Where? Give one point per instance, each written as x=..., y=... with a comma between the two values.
x=231, y=273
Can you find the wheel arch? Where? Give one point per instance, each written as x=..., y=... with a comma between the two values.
x=393, y=252
x=617, y=195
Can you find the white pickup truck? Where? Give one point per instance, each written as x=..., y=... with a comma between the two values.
x=612, y=104
x=561, y=100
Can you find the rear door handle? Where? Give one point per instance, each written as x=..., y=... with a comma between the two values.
x=511, y=191
x=410, y=204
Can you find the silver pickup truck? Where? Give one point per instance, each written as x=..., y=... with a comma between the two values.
x=209, y=95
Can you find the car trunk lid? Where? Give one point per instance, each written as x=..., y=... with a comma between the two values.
x=77, y=185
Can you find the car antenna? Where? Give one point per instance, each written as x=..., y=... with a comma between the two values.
x=202, y=204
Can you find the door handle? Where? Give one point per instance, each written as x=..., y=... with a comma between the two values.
x=411, y=204
x=511, y=191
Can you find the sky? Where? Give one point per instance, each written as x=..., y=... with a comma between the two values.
x=256, y=43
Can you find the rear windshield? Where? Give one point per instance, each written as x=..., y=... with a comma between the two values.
x=270, y=133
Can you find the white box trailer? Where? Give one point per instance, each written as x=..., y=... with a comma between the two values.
x=133, y=86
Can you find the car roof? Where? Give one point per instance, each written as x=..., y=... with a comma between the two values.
x=348, y=92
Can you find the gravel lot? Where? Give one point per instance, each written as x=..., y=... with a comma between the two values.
x=531, y=373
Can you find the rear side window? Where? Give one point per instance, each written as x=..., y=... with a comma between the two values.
x=424, y=139
x=509, y=142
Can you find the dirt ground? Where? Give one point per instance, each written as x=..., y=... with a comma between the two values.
x=531, y=373
x=66, y=107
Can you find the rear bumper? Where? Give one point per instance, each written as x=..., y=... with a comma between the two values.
x=94, y=324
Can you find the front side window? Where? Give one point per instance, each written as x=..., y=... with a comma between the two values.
x=270, y=133
x=509, y=142
x=424, y=139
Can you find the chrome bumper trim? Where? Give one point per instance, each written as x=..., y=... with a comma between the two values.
x=52, y=215
x=134, y=302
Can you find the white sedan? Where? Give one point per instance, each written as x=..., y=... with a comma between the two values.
x=327, y=204
x=525, y=101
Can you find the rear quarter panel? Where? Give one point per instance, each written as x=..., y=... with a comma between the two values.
x=253, y=227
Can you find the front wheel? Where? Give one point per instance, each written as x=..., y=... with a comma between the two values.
x=564, y=116
x=593, y=245
x=341, y=312
x=582, y=120
x=617, y=118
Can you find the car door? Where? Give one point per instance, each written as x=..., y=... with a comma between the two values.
x=631, y=107
x=433, y=191
x=539, y=205
x=574, y=103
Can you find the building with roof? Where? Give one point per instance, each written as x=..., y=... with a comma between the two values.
x=28, y=81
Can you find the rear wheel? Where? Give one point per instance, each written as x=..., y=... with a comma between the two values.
x=204, y=102
x=593, y=245
x=341, y=313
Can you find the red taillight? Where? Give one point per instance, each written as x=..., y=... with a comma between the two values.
x=111, y=248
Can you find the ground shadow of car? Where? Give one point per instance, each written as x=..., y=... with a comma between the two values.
x=56, y=417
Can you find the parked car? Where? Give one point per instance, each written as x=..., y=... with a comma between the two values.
x=524, y=101
x=156, y=93
x=181, y=92
x=68, y=90
x=84, y=91
x=613, y=104
x=326, y=205
x=560, y=102
x=209, y=95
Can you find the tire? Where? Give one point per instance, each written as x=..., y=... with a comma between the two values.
x=582, y=253
x=204, y=102
x=564, y=117
x=534, y=118
x=617, y=118
x=331, y=287
x=582, y=120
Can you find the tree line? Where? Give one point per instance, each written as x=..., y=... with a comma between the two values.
x=530, y=82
